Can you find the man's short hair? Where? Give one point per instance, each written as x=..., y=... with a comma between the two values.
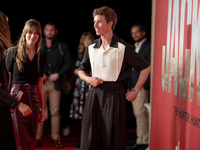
x=52, y=24
x=109, y=14
x=142, y=27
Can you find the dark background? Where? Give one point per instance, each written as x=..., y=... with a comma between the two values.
x=72, y=18
x=75, y=17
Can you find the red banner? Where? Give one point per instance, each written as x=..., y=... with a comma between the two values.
x=175, y=121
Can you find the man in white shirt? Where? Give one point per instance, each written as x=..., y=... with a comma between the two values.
x=109, y=60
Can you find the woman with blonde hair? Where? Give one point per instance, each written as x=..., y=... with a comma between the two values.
x=25, y=64
x=81, y=87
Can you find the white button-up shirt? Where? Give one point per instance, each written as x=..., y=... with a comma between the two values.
x=106, y=64
x=114, y=63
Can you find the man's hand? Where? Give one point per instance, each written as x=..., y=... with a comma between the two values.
x=45, y=77
x=42, y=116
x=76, y=72
x=131, y=96
x=24, y=109
x=53, y=77
x=95, y=81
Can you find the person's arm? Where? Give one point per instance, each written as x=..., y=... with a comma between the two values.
x=85, y=69
x=11, y=102
x=140, y=65
x=23, y=108
x=41, y=98
x=67, y=60
x=7, y=99
x=66, y=65
x=132, y=95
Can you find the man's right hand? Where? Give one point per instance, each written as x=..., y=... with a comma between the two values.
x=95, y=81
x=24, y=109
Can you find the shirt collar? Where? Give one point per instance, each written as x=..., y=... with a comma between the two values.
x=138, y=44
x=113, y=43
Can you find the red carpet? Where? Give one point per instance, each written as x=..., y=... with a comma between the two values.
x=67, y=142
x=70, y=141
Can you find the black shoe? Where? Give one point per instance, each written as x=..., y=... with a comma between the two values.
x=78, y=144
x=38, y=143
x=56, y=143
x=139, y=147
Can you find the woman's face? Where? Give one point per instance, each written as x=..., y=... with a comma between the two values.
x=87, y=40
x=32, y=37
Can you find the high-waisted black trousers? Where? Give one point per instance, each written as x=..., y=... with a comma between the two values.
x=25, y=127
x=104, y=118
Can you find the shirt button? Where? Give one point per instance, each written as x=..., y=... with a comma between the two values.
x=49, y=50
x=49, y=72
x=49, y=65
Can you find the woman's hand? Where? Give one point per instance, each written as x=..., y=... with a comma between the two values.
x=54, y=77
x=24, y=109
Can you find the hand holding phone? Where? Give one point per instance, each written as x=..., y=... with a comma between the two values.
x=19, y=95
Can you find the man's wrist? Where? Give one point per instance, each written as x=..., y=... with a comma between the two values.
x=135, y=91
x=88, y=79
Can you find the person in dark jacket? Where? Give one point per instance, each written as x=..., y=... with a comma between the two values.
x=57, y=64
x=142, y=47
x=7, y=138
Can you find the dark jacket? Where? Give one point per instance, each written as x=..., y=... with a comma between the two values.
x=62, y=61
x=7, y=138
x=5, y=99
x=146, y=54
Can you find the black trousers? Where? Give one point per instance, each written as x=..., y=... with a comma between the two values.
x=104, y=118
x=7, y=138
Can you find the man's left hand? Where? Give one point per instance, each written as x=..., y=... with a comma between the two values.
x=131, y=96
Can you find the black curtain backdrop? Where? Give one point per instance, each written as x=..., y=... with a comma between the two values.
x=75, y=17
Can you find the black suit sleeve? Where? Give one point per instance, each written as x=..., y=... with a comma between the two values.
x=67, y=60
x=7, y=99
x=134, y=59
x=85, y=64
x=147, y=56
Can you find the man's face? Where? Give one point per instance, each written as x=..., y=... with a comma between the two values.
x=137, y=34
x=101, y=26
x=50, y=31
